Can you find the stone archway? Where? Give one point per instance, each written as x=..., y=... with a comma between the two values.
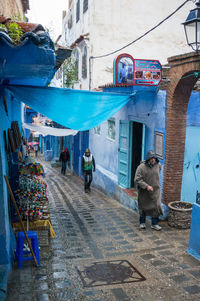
x=182, y=80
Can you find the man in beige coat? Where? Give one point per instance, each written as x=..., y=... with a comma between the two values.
x=148, y=185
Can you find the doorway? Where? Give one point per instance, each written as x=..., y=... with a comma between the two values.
x=137, y=149
x=130, y=151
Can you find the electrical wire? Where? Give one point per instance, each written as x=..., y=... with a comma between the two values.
x=147, y=32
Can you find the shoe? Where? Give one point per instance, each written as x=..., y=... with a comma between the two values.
x=156, y=227
x=142, y=226
x=89, y=189
x=86, y=191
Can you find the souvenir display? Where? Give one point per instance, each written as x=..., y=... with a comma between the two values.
x=32, y=168
x=32, y=197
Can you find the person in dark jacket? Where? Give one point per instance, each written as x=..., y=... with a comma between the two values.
x=36, y=148
x=64, y=158
x=88, y=166
x=148, y=185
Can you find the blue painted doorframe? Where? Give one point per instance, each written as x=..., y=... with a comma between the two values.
x=143, y=140
x=131, y=150
x=125, y=152
x=76, y=153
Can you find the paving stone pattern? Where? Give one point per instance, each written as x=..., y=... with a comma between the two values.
x=92, y=228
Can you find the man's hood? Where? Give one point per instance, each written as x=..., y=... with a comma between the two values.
x=150, y=155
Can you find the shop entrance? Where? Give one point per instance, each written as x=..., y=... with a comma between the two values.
x=136, y=148
x=130, y=151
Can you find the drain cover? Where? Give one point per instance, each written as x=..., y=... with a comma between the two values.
x=109, y=273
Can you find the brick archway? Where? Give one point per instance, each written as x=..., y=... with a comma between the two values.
x=182, y=80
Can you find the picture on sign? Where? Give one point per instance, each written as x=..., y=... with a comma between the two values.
x=124, y=70
x=147, y=72
x=129, y=71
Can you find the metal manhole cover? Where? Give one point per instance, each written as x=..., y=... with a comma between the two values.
x=109, y=273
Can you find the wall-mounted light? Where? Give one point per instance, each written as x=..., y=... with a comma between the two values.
x=192, y=28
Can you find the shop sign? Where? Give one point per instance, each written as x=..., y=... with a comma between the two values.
x=129, y=71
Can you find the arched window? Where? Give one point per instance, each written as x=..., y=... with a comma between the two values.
x=70, y=22
x=85, y=5
x=76, y=60
x=84, y=62
x=77, y=11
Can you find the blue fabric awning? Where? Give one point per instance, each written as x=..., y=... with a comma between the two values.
x=76, y=109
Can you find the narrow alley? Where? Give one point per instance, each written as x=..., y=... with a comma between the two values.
x=100, y=254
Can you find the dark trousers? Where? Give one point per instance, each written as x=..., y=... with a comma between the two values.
x=88, y=178
x=63, y=169
x=154, y=220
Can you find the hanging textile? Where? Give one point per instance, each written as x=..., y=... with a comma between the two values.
x=75, y=109
x=47, y=130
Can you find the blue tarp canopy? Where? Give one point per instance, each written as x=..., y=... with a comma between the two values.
x=76, y=109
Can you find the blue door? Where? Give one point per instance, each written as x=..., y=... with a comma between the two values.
x=84, y=141
x=81, y=142
x=76, y=153
x=123, y=154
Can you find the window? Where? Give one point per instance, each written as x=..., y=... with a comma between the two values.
x=97, y=130
x=76, y=59
x=111, y=129
x=77, y=11
x=70, y=22
x=85, y=5
x=84, y=62
x=159, y=144
x=59, y=74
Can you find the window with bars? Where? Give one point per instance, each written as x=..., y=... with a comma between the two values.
x=84, y=62
x=85, y=5
x=76, y=57
x=97, y=130
x=111, y=129
x=70, y=23
x=77, y=11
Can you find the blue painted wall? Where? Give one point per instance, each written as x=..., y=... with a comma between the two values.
x=194, y=242
x=191, y=167
x=147, y=107
x=7, y=240
x=40, y=68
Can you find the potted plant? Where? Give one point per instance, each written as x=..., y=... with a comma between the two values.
x=180, y=214
x=15, y=32
x=3, y=28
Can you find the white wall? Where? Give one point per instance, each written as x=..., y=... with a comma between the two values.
x=112, y=24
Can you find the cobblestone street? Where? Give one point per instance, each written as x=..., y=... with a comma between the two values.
x=100, y=254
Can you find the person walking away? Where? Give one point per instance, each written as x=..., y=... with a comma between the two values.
x=148, y=185
x=64, y=158
x=88, y=166
x=36, y=150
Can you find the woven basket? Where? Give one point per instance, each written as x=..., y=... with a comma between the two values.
x=180, y=214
